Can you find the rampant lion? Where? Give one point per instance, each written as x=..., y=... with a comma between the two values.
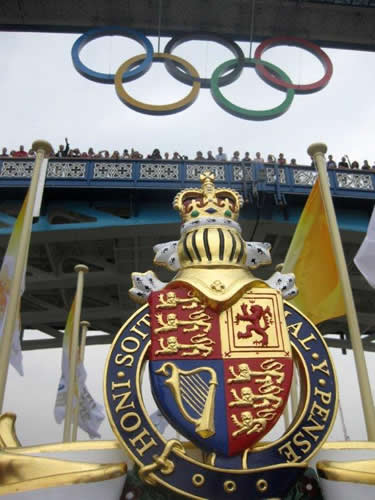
x=258, y=313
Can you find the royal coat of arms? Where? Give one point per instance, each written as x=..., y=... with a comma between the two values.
x=222, y=347
x=222, y=378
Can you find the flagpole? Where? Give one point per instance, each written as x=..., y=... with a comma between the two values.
x=81, y=269
x=286, y=416
x=42, y=148
x=317, y=151
x=85, y=325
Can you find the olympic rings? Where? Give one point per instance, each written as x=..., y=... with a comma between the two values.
x=268, y=77
x=153, y=109
x=184, y=72
x=250, y=114
x=111, y=30
x=183, y=77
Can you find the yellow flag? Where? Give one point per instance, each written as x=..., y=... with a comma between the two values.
x=6, y=276
x=310, y=257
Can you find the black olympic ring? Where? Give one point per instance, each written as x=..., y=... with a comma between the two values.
x=184, y=77
x=186, y=73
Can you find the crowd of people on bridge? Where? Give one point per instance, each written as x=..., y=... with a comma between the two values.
x=64, y=151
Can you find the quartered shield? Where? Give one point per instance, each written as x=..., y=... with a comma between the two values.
x=221, y=378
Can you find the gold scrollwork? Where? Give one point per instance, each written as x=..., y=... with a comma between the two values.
x=161, y=462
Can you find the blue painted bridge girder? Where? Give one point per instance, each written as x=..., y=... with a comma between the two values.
x=272, y=192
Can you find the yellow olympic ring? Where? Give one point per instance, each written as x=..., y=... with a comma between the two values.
x=155, y=109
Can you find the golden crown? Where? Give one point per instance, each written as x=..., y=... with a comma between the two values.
x=208, y=201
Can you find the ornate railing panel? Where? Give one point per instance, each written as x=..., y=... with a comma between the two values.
x=16, y=168
x=303, y=177
x=271, y=175
x=159, y=171
x=193, y=171
x=239, y=170
x=66, y=170
x=113, y=170
x=354, y=181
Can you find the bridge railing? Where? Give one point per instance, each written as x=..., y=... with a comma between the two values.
x=151, y=174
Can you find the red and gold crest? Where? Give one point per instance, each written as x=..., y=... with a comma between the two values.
x=221, y=378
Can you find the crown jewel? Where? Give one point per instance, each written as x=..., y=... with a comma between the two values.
x=208, y=201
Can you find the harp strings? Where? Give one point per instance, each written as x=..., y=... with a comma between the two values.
x=194, y=392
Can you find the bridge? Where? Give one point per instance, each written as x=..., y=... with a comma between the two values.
x=331, y=23
x=109, y=214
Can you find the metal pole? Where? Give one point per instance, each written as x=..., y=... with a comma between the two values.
x=286, y=416
x=85, y=325
x=293, y=392
x=81, y=269
x=317, y=151
x=42, y=148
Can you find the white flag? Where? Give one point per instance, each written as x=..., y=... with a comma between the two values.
x=365, y=258
x=160, y=422
x=91, y=413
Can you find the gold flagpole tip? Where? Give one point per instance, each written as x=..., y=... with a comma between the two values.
x=317, y=147
x=44, y=145
x=81, y=267
x=85, y=323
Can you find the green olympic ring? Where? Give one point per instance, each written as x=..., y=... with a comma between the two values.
x=250, y=114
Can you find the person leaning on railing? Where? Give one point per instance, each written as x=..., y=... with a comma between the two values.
x=62, y=152
x=21, y=153
x=366, y=165
x=331, y=163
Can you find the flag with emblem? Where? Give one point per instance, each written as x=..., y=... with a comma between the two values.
x=6, y=275
x=91, y=413
x=310, y=257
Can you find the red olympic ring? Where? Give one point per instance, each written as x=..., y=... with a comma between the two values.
x=279, y=84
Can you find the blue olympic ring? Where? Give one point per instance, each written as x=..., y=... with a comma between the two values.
x=129, y=75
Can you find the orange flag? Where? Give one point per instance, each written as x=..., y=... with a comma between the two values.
x=310, y=257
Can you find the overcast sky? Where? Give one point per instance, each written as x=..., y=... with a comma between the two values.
x=42, y=96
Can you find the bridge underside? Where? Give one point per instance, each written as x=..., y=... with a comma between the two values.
x=113, y=252
x=334, y=23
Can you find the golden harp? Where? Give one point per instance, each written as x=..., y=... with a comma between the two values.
x=190, y=389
